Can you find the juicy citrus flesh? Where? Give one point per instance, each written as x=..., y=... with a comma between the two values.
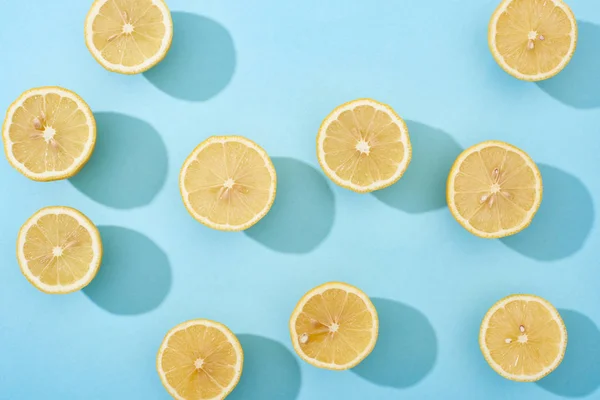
x=533, y=39
x=494, y=189
x=523, y=338
x=200, y=360
x=49, y=133
x=334, y=326
x=364, y=146
x=129, y=36
x=59, y=250
x=228, y=183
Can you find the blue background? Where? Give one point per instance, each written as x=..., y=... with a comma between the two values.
x=271, y=70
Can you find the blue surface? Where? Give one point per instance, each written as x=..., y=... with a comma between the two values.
x=272, y=70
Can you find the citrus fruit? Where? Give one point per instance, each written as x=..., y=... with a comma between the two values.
x=49, y=133
x=494, y=189
x=363, y=146
x=128, y=36
x=228, y=183
x=200, y=360
x=59, y=250
x=532, y=39
x=334, y=326
x=523, y=338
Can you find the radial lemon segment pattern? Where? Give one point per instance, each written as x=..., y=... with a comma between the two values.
x=495, y=189
x=523, y=338
x=228, y=183
x=200, y=361
x=49, y=133
x=364, y=146
x=533, y=39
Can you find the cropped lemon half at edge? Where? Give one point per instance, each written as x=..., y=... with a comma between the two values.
x=228, y=183
x=128, y=36
x=334, y=326
x=59, y=250
x=532, y=40
x=200, y=360
x=494, y=189
x=523, y=338
x=363, y=146
x=49, y=133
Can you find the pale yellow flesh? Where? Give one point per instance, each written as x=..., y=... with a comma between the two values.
x=495, y=189
x=534, y=336
x=48, y=133
x=363, y=146
x=228, y=183
x=128, y=32
x=58, y=250
x=199, y=362
x=334, y=327
x=533, y=37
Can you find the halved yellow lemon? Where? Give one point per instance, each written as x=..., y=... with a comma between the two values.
x=200, y=360
x=49, y=133
x=363, y=146
x=228, y=183
x=334, y=326
x=494, y=189
x=59, y=250
x=532, y=39
x=523, y=338
x=128, y=36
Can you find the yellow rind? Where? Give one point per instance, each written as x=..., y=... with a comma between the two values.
x=452, y=174
x=134, y=71
x=515, y=73
x=493, y=309
x=270, y=166
x=204, y=322
x=344, y=184
x=298, y=309
x=95, y=234
x=65, y=175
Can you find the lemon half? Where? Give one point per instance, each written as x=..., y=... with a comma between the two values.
x=49, y=133
x=200, y=360
x=128, y=36
x=363, y=146
x=228, y=183
x=334, y=326
x=59, y=250
x=532, y=39
x=494, y=189
x=523, y=338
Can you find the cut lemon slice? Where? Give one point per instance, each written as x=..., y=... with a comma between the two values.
x=228, y=183
x=59, y=250
x=363, y=146
x=49, y=133
x=334, y=326
x=200, y=360
x=128, y=36
x=523, y=338
x=532, y=39
x=494, y=189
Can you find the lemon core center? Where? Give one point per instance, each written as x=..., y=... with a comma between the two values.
x=363, y=147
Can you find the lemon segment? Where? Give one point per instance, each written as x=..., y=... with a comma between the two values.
x=49, y=133
x=200, y=360
x=523, y=338
x=334, y=326
x=363, y=146
x=128, y=36
x=494, y=189
x=228, y=183
x=59, y=250
x=532, y=40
